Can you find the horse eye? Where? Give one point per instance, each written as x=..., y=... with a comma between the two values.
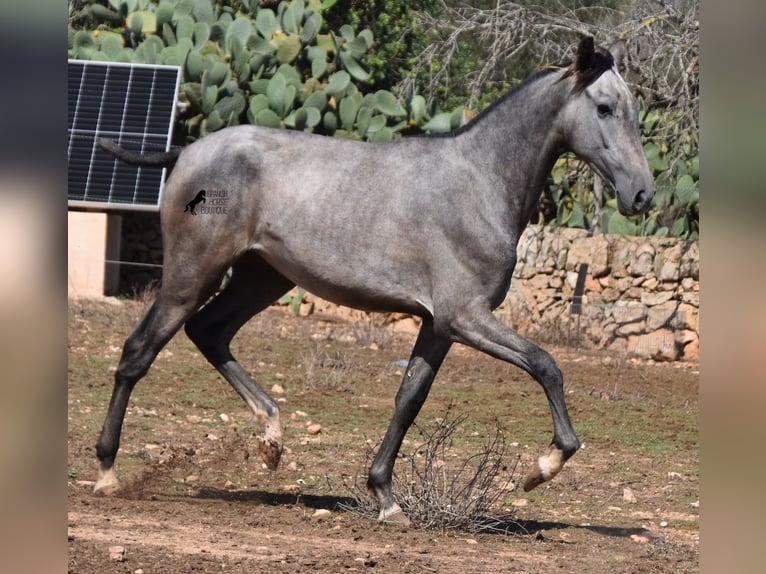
x=604, y=110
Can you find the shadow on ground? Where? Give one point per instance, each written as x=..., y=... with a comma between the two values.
x=501, y=525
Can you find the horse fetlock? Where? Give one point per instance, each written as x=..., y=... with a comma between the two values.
x=107, y=483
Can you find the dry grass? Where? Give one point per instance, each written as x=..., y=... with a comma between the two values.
x=437, y=489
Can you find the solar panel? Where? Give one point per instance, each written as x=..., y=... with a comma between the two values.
x=132, y=104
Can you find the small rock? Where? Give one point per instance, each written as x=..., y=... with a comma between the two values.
x=663, y=524
x=224, y=417
x=229, y=485
x=628, y=496
x=192, y=478
x=278, y=389
x=640, y=538
x=117, y=553
x=695, y=504
x=471, y=541
x=314, y=429
x=321, y=514
x=292, y=466
x=291, y=488
x=193, y=419
x=519, y=502
x=139, y=571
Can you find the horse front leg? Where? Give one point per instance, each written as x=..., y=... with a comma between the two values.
x=480, y=329
x=426, y=358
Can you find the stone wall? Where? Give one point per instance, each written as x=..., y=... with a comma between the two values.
x=641, y=294
x=141, y=244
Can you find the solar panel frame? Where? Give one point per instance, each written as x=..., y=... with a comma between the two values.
x=131, y=103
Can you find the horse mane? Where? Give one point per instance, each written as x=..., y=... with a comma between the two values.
x=588, y=67
x=547, y=71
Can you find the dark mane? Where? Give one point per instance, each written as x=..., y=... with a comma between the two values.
x=588, y=67
x=510, y=93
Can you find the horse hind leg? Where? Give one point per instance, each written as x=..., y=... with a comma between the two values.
x=166, y=315
x=254, y=285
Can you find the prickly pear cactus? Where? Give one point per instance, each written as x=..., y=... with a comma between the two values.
x=279, y=68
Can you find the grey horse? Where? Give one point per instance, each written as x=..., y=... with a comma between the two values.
x=422, y=225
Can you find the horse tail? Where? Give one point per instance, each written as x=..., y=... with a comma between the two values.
x=159, y=159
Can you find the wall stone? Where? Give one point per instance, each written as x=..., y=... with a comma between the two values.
x=142, y=244
x=641, y=294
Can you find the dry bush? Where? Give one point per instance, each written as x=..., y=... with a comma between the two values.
x=442, y=491
x=327, y=369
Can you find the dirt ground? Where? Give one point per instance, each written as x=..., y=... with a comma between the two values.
x=196, y=497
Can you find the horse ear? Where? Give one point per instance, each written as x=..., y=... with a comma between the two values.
x=585, y=52
x=617, y=50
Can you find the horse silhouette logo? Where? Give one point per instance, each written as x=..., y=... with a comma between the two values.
x=200, y=197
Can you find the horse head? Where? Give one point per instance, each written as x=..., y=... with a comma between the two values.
x=601, y=125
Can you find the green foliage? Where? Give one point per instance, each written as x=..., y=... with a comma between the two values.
x=398, y=35
x=294, y=299
x=244, y=64
x=322, y=67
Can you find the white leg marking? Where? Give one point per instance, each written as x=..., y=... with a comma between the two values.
x=551, y=463
x=270, y=441
x=107, y=483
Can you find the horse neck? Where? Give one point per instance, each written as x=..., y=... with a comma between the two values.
x=517, y=139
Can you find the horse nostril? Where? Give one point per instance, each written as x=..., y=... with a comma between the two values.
x=640, y=198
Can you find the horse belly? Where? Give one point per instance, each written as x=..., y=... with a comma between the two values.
x=367, y=279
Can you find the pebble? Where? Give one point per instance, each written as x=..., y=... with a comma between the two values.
x=117, y=553
x=628, y=496
x=278, y=389
x=314, y=429
x=224, y=417
x=321, y=514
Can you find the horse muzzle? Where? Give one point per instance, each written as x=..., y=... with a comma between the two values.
x=636, y=202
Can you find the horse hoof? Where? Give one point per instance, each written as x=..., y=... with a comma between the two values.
x=394, y=517
x=533, y=481
x=107, y=484
x=271, y=452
